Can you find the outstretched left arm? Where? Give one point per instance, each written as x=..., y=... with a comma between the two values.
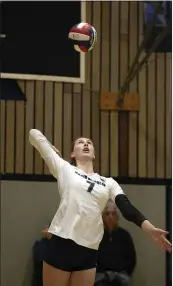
x=132, y=214
x=128, y=211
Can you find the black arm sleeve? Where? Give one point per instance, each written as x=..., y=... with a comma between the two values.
x=128, y=211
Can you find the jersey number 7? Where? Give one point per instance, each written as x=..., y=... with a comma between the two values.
x=91, y=186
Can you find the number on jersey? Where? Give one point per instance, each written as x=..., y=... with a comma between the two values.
x=91, y=186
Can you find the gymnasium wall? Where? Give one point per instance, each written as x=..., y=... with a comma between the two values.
x=26, y=207
x=127, y=144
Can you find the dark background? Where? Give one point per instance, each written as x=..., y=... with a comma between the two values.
x=163, y=19
x=37, y=38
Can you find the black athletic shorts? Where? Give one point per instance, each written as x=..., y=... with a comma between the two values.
x=69, y=256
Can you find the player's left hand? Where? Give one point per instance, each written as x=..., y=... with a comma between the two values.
x=158, y=235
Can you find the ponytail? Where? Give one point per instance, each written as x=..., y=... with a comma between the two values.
x=73, y=162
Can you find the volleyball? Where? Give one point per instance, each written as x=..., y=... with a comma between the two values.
x=83, y=37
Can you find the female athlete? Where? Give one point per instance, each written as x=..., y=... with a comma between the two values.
x=77, y=227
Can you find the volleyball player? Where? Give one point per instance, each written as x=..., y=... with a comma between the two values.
x=77, y=226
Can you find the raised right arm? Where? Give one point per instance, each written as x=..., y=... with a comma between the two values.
x=51, y=158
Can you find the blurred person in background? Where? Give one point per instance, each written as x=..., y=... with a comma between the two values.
x=116, y=254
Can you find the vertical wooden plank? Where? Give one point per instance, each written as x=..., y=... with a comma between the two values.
x=67, y=124
x=29, y=123
x=48, y=122
x=38, y=161
x=10, y=133
x=105, y=22
x=142, y=88
x=14, y=127
x=133, y=117
x=168, y=115
x=160, y=117
x=123, y=68
x=77, y=111
x=2, y=140
x=142, y=155
x=114, y=86
x=151, y=108
x=58, y=108
x=86, y=110
x=86, y=88
x=95, y=85
x=19, y=164
x=22, y=85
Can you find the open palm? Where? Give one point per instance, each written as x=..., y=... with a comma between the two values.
x=158, y=235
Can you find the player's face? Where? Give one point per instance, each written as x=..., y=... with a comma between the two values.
x=110, y=216
x=83, y=148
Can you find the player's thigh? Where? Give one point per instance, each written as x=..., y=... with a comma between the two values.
x=54, y=277
x=83, y=277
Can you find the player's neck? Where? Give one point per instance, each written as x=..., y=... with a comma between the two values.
x=85, y=166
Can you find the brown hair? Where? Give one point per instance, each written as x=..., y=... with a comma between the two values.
x=73, y=160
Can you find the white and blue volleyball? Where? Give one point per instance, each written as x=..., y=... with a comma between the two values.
x=83, y=37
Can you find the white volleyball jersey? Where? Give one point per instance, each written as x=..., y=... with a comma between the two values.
x=83, y=197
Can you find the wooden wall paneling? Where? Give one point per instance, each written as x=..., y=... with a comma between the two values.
x=39, y=118
x=29, y=124
x=3, y=131
x=58, y=101
x=48, y=118
x=142, y=85
x=14, y=127
x=168, y=115
x=22, y=85
x=77, y=111
x=133, y=116
x=86, y=87
x=10, y=136
x=67, y=121
x=20, y=133
x=126, y=144
x=123, y=68
x=114, y=77
x=105, y=74
x=142, y=151
x=151, y=117
x=160, y=116
x=95, y=85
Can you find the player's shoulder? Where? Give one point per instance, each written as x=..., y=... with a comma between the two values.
x=108, y=181
x=67, y=167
